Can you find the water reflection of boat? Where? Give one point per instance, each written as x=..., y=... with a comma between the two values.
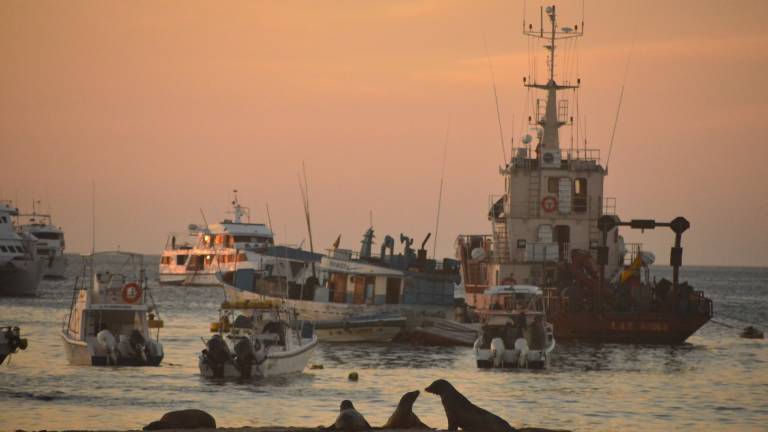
x=515, y=332
x=257, y=340
x=554, y=228
x=111, y=317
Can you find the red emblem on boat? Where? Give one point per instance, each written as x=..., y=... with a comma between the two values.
x=131, y=292
x=549, y=204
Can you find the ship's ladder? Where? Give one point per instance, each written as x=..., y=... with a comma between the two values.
x=534, y=192
x=500, y=242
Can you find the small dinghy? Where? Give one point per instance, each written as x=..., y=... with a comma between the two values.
x=750, y=332
x=111, y=316
x=361, y=328
x=10, y=342
x=257, y=339
x=515, y=332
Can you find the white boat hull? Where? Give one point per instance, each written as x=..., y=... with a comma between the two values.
x=80, y=353
x=196, y=279
x=276, y=363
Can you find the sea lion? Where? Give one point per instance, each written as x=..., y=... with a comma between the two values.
x=464, y=414
x=349, y=419
x=403, y=417
x=184, y=419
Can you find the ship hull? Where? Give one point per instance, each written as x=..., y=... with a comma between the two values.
x=55, y=267
x=627, y=328
x=20, y=278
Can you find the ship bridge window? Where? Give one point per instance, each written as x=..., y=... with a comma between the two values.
x=165, y=260
x=3, y=248
x=48, y=235
x=181, y=259
x=580, y=195
x=552, y=184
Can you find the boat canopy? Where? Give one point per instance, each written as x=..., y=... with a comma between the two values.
x=515, y=289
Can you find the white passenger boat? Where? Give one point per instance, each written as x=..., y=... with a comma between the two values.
x=515, y=332
x=228, y=246
x=257, y=340
x=112, y=317
x=10, y=342
x=50, y=241
x=20, y=267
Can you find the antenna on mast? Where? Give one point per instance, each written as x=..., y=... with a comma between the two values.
x=496, y=99
x=93, y=220
x=621, y=98
x=304, y=187
x=440, y=193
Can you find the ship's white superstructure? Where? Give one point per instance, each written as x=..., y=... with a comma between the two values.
x=553, y=194
x=50, y=242
x=228, y=246
x=20, y=268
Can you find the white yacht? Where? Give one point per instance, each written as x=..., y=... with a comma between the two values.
x=228, y=246
x=515, y=332
x=50, y=241
x=20, y=268
x=112, y=317
x=257, y=340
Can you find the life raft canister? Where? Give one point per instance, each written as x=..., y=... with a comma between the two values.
x=131, y=292
x=549, y=204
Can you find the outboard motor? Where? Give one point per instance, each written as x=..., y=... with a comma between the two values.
x=245, y=357
x=497, y=352
x=521, y=345
x=139, y=346
x=217, y=354
x=108, y=342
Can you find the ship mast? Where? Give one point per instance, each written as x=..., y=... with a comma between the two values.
x=553, y=117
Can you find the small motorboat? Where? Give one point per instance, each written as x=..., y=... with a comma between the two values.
x=751, y=332
x=111, y=317
x=10, y=342
x=514, y=329
x=257, y=339
x=361, y=328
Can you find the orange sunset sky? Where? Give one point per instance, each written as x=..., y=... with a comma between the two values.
x=169, y=105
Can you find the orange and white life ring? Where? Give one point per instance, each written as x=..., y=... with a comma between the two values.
x=549, y=204
x=131, y=292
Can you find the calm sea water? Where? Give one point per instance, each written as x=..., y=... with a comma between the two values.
x=717, y=381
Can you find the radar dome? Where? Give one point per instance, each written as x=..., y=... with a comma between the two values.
x=478, y=254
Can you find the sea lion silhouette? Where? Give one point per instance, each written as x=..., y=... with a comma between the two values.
x=403, y=417
x=349, y=419
x=184, y=419
x=464, y=414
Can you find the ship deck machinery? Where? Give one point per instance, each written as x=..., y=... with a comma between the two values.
x=628, y=311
